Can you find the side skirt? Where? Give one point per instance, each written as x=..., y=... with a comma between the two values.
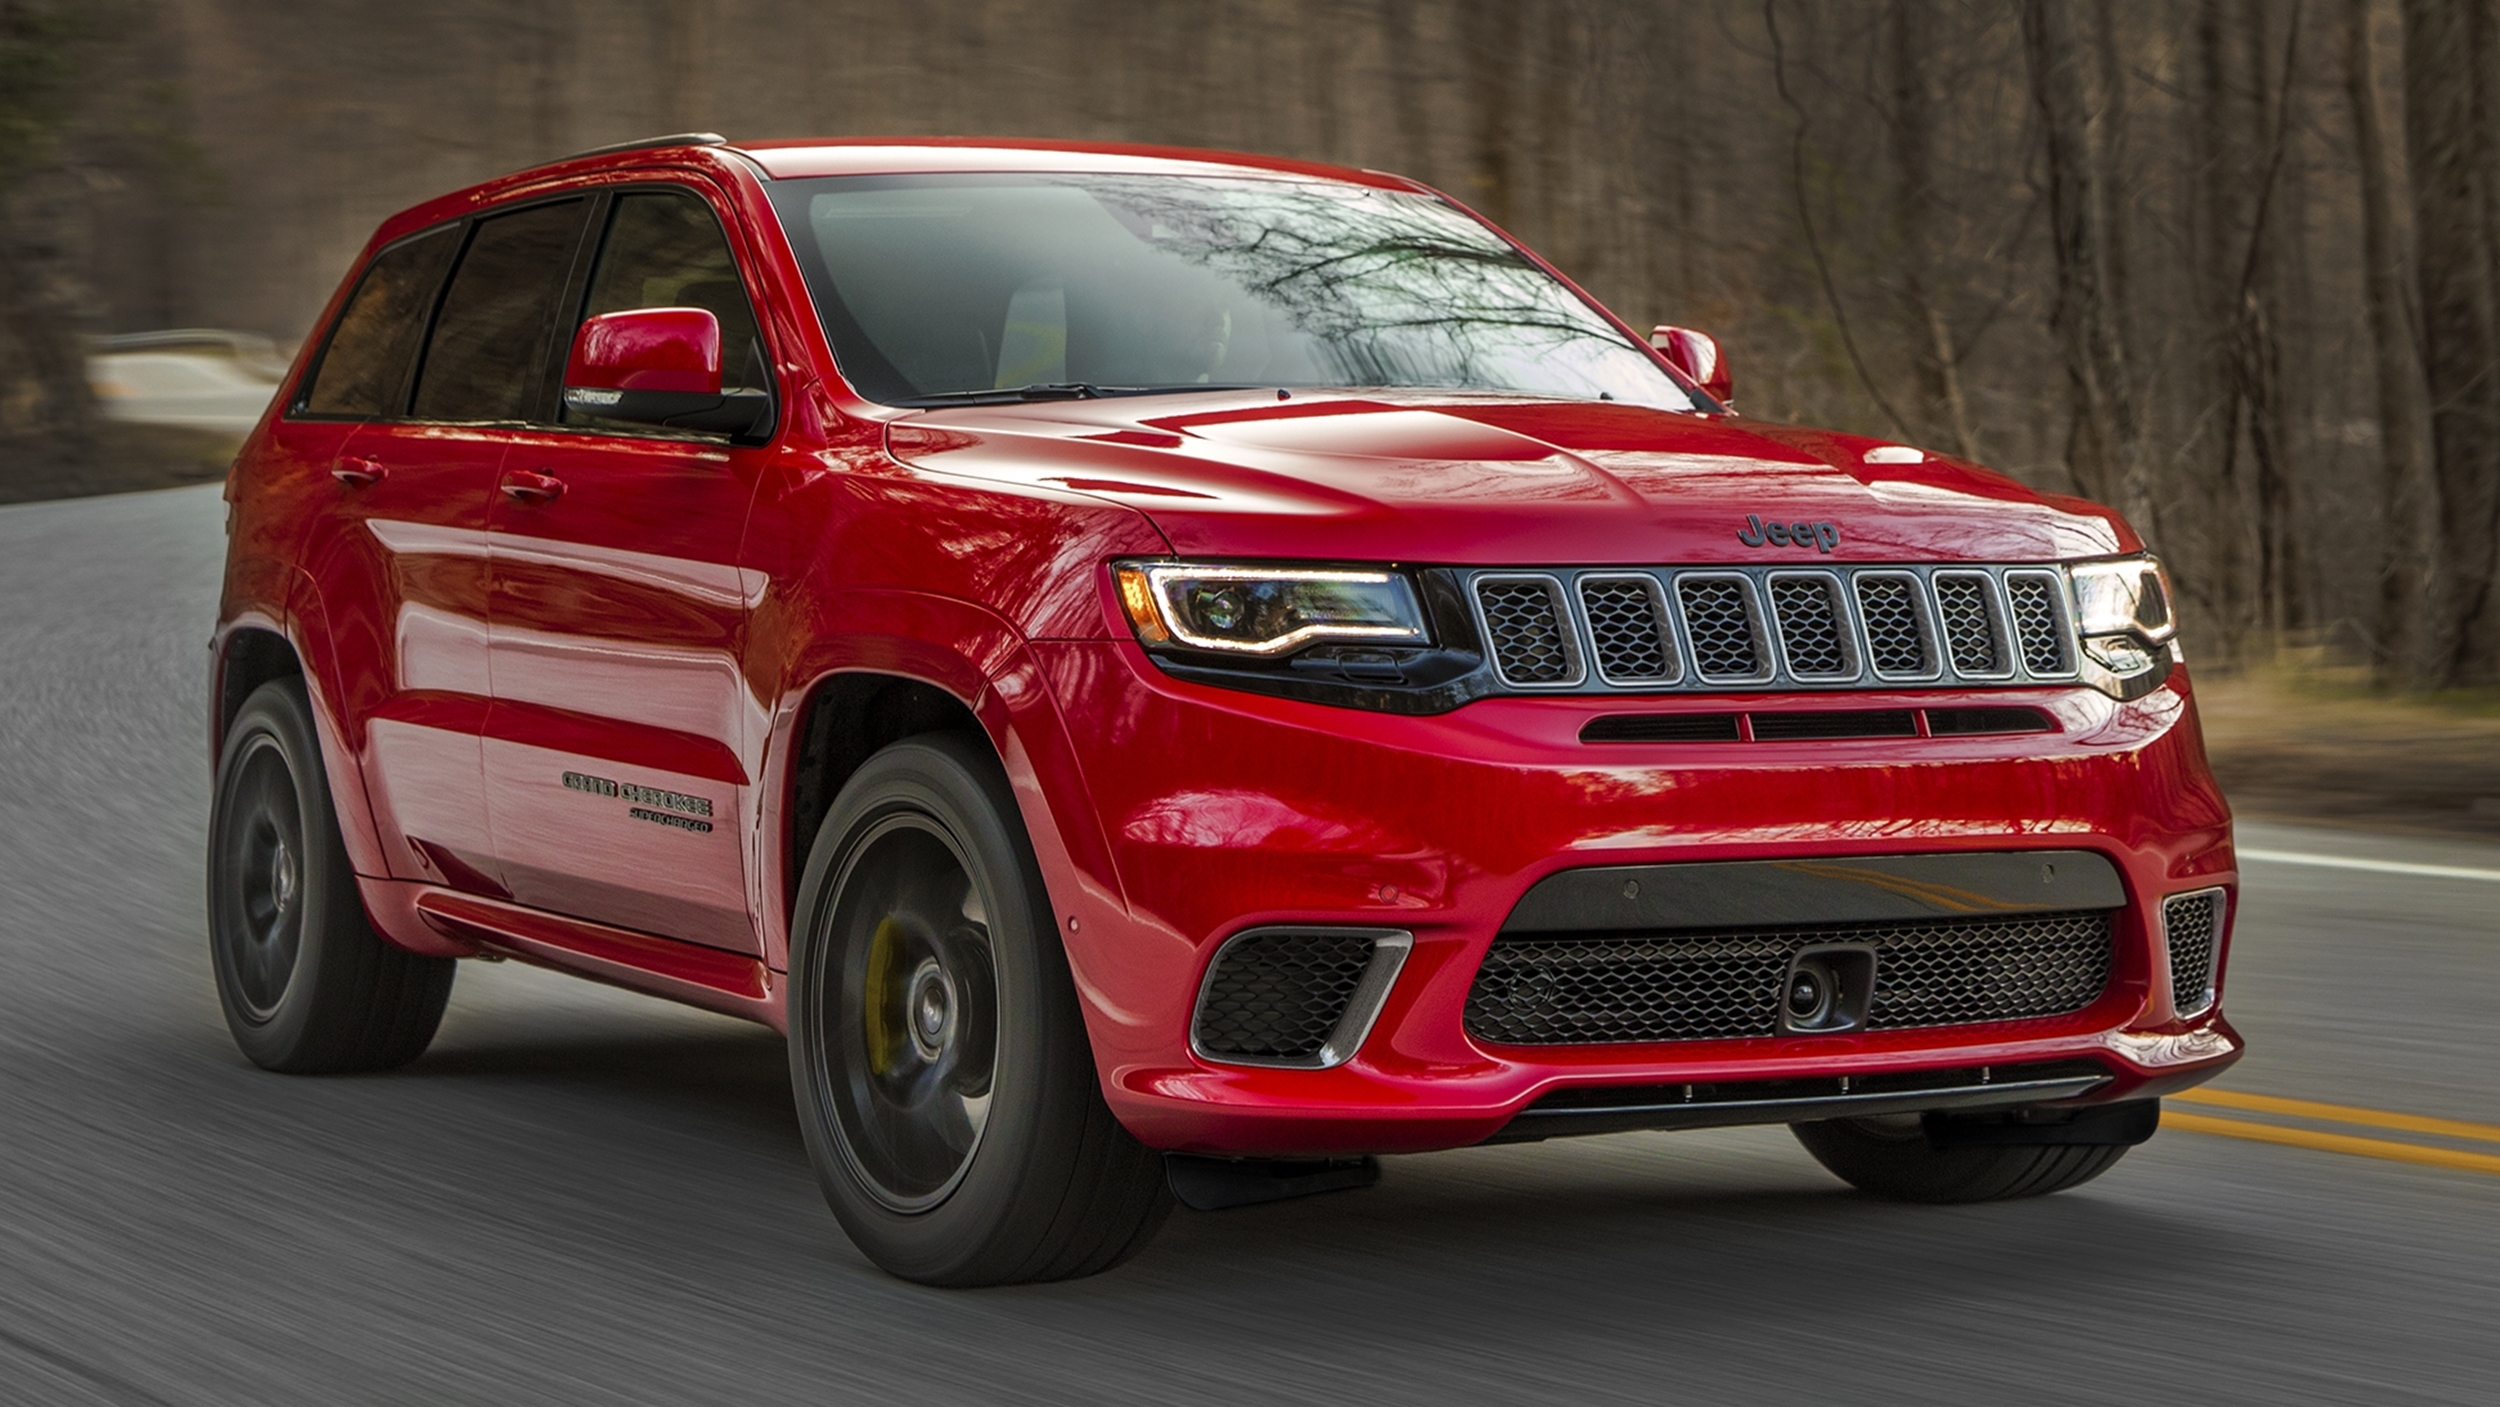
x=431, y=919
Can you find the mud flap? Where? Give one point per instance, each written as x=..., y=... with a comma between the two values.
x=1213, y=1184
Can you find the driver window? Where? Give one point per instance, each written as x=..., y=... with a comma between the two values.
x=665, y=250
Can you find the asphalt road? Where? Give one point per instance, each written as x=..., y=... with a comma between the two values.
x=584, y=1196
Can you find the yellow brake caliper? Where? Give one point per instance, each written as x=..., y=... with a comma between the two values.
x=880, y=1002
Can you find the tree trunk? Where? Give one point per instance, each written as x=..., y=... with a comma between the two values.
x=2257, y=346
x=1916, y=213
x=2447, y=148
x=47, y=411
x=1493, y=37
x=2404, y=555
x=2111, y=437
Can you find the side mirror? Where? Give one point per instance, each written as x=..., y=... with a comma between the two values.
x=1696, y=354
x=657, y=366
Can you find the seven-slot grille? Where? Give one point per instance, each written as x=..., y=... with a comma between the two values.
x=1767, y=628
x=2192, y=926
x=1725, y=984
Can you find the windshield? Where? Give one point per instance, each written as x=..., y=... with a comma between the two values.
x=946, y=288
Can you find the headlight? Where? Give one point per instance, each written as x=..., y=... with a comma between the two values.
x=2123, y=597
x=2122, y=611
x=1267, y=610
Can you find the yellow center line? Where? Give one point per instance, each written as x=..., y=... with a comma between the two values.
x=2336, y=1143
x=2341, y=1114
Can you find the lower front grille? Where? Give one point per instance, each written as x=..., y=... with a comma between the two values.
x=2192, y=926
x=1725, y=984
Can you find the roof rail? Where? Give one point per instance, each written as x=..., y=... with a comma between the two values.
x=674, y=139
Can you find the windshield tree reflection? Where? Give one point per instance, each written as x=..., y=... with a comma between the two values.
x=953, y=287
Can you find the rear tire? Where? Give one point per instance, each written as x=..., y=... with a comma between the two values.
x=944, y=1081
x=308, y=987
x=1892, y=1159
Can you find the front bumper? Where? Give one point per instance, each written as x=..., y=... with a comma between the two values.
x=1223, y=811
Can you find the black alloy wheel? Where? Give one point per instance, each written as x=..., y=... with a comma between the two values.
x=260, y=923
x=917, y=989
x=944, y=1081
x=306, y=984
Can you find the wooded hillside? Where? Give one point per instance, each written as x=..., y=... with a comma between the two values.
x=2228, y=264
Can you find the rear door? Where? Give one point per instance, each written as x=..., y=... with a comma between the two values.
x=615, y=754
x=438, y=374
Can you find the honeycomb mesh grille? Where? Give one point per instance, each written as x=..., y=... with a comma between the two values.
x=1629, y=630
x=1721, y=985
x=1278, y=995
x=1718, y=623
x=1526, y=626
x=1808, y=609
x=1969, y=631
x=2188, y=923
x=1896, y=638
x=2037, y=630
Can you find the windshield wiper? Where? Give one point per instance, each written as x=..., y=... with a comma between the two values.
x=1050, y=391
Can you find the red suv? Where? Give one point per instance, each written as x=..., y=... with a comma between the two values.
x=1168, y=673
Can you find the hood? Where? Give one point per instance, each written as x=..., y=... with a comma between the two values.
x=1470, y=480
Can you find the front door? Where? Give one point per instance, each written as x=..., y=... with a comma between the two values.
x=616, y=750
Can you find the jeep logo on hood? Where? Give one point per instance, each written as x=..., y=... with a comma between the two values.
x=1757, y=532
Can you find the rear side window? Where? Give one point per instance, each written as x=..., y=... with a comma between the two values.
x=364, y=370
x=665, y=250
x=487, y=359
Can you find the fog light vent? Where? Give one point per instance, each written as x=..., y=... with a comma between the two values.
x=1296, y=997
x=2192, y=925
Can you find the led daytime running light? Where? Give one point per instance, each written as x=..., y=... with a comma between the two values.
x=1153, y=595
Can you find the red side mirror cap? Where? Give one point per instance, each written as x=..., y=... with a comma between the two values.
x=1696, y=354
x=648, y=349
x=658, y=366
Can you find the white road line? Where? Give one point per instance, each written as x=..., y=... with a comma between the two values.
x=2338, y=862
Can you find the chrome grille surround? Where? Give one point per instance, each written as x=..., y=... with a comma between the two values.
x=1898, y=618
x=1757, y=629
x=1816, y=642
x=2192, y=933
x=1973, y=612
x=2043, y=633
x=1723, y=622
x=1530, y=628
x=1629, y=627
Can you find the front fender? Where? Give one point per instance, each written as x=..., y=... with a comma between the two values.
x=980, y=660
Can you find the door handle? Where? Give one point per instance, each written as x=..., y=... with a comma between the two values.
x=359, y=473
x=522, y=486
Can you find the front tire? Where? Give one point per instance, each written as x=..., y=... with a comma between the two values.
x=944, y=1082
x=308, y=987
x=1891, y=1158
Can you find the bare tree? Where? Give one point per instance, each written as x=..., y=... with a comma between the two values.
x=2111, y=244
x=2111, y=461
x=1918, y=212
x=46, y=411
x=2449, y=156
x=2406, y=545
